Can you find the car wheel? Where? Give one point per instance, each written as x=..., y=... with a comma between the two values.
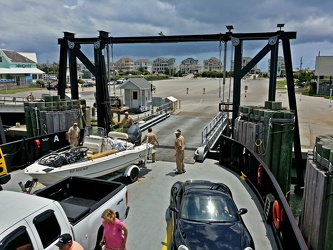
x=133, y=177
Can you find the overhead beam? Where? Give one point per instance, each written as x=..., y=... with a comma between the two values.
x=180, y=39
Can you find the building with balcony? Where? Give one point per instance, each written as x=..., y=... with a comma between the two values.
x=212, y=64
x=124, y=64
x=189, y=66
x=144, y=64
x=161, y=64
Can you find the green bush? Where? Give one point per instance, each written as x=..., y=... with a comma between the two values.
x=40, y=83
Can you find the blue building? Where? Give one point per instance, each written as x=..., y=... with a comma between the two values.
x=19, y=68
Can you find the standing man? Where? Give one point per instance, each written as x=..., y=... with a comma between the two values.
x=127, y=121
x=66, y=243
x=179, y=148
x=73, y=135
x=152, y=139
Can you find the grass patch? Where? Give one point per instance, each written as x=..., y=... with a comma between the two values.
x=281, y=84
x=18, y=90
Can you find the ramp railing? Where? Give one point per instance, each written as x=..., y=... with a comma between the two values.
x=210, y=135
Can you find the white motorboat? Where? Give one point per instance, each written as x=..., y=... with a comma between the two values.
x=98, y=156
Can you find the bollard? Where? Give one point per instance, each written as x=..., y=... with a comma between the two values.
x=204, y=90
x=180, y=103
x=93, y=111
x=186, y=90
x=88, y=116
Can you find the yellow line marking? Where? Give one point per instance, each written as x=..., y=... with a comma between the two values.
x=167, y=239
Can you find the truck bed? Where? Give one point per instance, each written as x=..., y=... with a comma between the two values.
x=79, y=196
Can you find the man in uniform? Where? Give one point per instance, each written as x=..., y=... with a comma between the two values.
x=179, y=148
x=127, y=121
x=73, y=135
x=152, y=139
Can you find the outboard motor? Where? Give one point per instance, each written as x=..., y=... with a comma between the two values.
x=134, y=134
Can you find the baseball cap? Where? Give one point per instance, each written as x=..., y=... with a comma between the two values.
x=75, y=123
x=126, y=113
x=178, y=131
x=64, y=239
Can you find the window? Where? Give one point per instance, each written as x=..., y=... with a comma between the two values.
x=0, y=59
x=19, y=239
x=47, y=227
x=135, y=95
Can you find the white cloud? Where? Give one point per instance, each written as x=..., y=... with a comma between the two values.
x=41, y=23
x=78, y=4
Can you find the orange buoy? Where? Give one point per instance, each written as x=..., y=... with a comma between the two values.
x=276, y=214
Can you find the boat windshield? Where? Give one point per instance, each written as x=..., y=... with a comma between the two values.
x=97, y=131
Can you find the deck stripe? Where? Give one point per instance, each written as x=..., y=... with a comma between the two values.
x=167, y=239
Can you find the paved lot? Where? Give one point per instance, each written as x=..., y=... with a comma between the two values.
x=149, y=197
x=199, y=98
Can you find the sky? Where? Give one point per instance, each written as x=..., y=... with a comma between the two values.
x=36, y=25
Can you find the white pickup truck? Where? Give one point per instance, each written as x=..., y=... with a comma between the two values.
x=73, y=205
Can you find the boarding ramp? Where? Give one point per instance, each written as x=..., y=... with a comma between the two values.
x=210, y=135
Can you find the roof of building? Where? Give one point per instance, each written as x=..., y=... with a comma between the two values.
x=20, y=71
x=141, y=83
x=15, y=57
x=30, y=55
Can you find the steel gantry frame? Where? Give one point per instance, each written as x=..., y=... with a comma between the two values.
x=70, y=48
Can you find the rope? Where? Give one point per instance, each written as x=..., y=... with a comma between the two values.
x=220, y=49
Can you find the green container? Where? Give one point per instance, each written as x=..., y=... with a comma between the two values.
x=48, y=104
x=28, y=123
x=48, y=98
x=276, y=105
x=56, y=98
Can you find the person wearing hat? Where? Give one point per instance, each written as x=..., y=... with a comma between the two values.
x=127, y=121
x=67, y=243
x=179, y=152
x=73, y=135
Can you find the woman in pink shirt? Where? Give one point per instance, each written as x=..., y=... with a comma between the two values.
x=115, y=231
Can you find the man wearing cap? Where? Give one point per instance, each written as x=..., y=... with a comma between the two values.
x=73, y=135
x=127, y=121
x=66, y=243
x=179, y=148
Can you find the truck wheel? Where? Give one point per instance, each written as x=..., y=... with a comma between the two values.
x=133, y=177
x=99, y=238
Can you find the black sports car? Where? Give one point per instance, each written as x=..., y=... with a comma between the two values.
x=204, y=216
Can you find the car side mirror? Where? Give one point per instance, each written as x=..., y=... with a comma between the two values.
x=173, y=208
x=242, y=211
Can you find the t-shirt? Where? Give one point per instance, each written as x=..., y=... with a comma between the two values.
x=127, y=122
x=76, y=246
x=113, y=233
x=74, y=132
x=180, y=143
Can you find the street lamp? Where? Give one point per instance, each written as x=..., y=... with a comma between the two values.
x=280, y=25
x=229, y=27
